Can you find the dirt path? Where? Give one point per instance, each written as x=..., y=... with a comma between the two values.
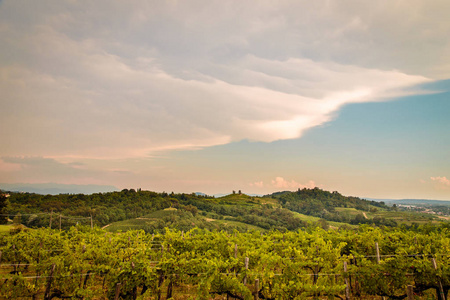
x=365, y=216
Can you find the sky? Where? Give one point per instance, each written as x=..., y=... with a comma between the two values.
x=215, y=96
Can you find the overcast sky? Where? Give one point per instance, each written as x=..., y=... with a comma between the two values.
x=213, y=96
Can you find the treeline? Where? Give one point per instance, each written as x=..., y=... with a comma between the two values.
x=323, y=204
x=106, y=208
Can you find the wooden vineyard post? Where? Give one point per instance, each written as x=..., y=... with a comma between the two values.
x=246, y=269
x=49, y=283
x=0, y=256
x=347, y=287
x=59, y=222
x=441, y=289
x=51, y=216
x=92, y=223
x=410, y=292
x=378, y=258
x=116, y=297
x=235, y=250
x=378, y=252
x=256, y=289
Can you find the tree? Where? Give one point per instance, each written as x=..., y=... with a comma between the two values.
x=3, y=205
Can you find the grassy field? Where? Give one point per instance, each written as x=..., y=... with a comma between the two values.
x=401, y=217
x=311, y=219
x=151, y=220
x=405, y=217
x=141, y=222
x=234, y=224
x=5, y=228
x=180, y=219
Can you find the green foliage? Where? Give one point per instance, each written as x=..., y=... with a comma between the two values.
x=89, y=263
x=130, y=209
x=110, y=208
x=323, y=204
x=3, y=205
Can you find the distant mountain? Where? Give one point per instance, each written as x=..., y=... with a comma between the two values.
x=413, y=201
x=56, y=188
x=421, y=201
x=220, y=195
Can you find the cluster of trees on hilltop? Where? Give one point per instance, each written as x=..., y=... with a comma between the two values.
x=323, y=204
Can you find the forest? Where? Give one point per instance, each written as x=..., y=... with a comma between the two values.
x=277, y=211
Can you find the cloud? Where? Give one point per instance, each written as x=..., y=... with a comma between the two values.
x=77, y=81
x=258, y=184
x=280, y=182
x=443, y=182
x=116, y=109
x=36, y=169
x=54, y=188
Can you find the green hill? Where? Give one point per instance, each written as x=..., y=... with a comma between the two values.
x=151, y=211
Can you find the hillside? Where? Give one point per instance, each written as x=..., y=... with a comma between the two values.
x=151, y=211
x=332, y=206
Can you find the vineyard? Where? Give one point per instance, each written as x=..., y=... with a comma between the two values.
x=85, y=263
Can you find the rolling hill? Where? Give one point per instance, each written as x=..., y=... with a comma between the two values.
x=152, y=212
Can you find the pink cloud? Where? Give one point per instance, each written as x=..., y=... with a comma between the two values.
x=443, y=181
x=258, y=184
x=280, y=182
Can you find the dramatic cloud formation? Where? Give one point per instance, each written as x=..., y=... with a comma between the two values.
x=83, y=82
x=99, y=91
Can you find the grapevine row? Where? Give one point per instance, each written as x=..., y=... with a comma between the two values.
x=89, y=263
